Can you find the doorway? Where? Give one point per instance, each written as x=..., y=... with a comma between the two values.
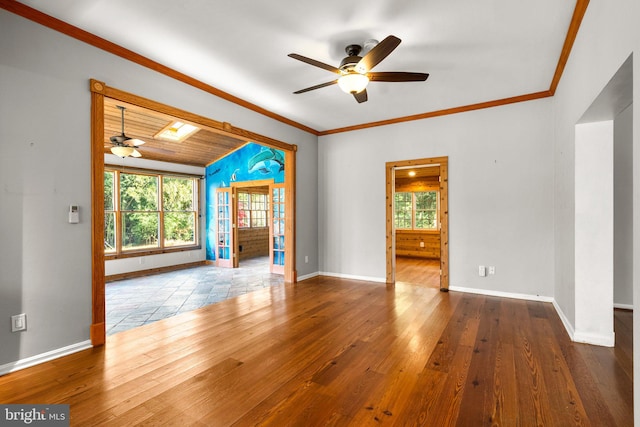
x=418, y=219
x=100, y=91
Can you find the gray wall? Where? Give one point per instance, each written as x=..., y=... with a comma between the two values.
x=45, y=263
x=500, y=195
x=608, y=35
x=623, y=209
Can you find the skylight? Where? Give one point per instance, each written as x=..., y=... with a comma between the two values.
x=176, y=131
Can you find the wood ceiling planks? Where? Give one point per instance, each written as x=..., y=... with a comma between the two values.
x=199, y=149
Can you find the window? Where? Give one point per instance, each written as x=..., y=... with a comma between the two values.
x=416, y=210
x=252, y=209
x=244, y=210
x=259, y=210
x=149, y=211
x=176, y=132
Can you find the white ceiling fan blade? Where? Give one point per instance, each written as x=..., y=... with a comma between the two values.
x=136, y=153
x=135, y=142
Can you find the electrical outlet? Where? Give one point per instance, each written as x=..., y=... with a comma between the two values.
x=492, y=270
x=422, y=244
x=19, y=322
x=306, y=259
x=482, y=271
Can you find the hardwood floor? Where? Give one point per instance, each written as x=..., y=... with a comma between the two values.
x=330, y=351
x=418, y=271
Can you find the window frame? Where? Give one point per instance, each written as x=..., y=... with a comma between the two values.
x=120, y=251
x=414, y=211
x=250, y=220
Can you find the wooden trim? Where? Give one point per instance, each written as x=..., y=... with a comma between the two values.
x=574, y=26
x=97, y=331
x=150, y=271
x=134, y=254
x=100, y=43
x=445, y=112
x=390, y=240
x=290, y=272
x=256, y=183
x=390, y=233
x=129, y=169
x=103, y=44
x=444, y=225
x=99, y=91
x=222, y=128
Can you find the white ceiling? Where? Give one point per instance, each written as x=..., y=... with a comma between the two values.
x=474, y=50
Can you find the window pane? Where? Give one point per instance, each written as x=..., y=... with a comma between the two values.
x=138, y=192
x=426, y=210
x=179, y=228
x=243, y=201
x=140, y=230
x=426, y=219
x=244, y=217
x=403, y=210
x=426, y=200
x=109, y=232
x=177, y=194
x=109, y=190
x=259, y=219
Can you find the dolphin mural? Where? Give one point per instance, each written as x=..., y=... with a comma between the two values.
x=265, y=160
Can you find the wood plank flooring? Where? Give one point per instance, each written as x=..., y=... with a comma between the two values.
x=418, y=271
x=330, y=351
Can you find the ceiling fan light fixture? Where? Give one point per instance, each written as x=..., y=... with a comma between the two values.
x=122, y=151
x=353, y=82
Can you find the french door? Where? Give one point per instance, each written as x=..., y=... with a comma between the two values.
x=277, y=229
x=225, y=228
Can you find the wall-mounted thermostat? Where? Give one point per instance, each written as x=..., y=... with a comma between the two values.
x=74, y=214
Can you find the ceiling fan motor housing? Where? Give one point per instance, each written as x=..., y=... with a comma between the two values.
x=349, y=63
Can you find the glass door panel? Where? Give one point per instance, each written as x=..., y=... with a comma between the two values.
x=277, y=229
x=224, y=228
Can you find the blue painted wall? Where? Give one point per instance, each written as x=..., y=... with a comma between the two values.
x=252, y=162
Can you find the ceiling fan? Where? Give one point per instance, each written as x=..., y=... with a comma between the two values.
x=355, y=71
x=122, y=145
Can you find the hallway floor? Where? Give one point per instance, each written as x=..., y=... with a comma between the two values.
x=135, y=302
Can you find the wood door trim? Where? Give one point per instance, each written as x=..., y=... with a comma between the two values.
x=444, y=216
x=99, y=91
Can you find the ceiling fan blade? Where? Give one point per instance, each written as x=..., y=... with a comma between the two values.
x=135, y=142
x=397, y=76
x=314, y=63
x=377, y=54
x=321, y=85
x=136, y=153
x=361, y=96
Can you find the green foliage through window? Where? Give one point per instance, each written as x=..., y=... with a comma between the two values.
x=416, y=211
x=153, y=211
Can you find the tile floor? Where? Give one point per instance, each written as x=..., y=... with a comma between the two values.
x=135, y=302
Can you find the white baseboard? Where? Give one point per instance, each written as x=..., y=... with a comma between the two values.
x=527, y=297
x=44, y=357
x=565, y=321
x=353, y=277
x=604, y=340
x=624, y=306
x=308, y=276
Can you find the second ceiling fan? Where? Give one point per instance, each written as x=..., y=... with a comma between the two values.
x=355, y=71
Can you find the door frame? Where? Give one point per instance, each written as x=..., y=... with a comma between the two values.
x=390, y=240
x=235, y=185
x=99, y=91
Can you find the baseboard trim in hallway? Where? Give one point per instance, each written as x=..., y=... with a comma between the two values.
x=44, y=357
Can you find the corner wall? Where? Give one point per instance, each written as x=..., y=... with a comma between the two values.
x=608, y=35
